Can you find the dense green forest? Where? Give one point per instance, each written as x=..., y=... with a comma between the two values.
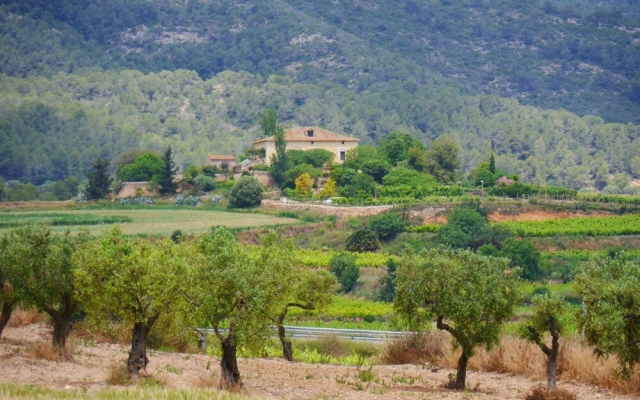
x=94, y=78
x=51, y=128
x=583, y=56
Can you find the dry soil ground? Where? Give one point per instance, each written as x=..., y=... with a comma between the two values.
x=268, y=378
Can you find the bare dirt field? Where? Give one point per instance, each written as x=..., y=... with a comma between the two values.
x=263, y=378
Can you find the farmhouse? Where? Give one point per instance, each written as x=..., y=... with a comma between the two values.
x=309, y=138
x=225, y=162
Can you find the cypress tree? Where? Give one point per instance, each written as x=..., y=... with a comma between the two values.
x=167, y=185
x=492, y=164
x=279, y=161
x=99, y=180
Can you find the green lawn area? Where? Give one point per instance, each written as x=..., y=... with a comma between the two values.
x=140, y=222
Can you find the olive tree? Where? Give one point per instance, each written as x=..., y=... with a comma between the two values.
x=45, y=265
x=8, y=279
x=547, y=317
x=469, y=295
x=308, y=290
x=610, y=290
x=239, y=288
x=135, y=281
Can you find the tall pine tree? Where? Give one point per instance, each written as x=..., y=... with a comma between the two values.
x=167, y=185
x=99, y=183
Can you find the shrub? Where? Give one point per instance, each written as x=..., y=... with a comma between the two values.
x=523, y=255
x=541, y=393
x=177, y=236
x=387, y=225
x=419, y=348
x=387, y=291
x=205, y=182
x=247, y=192
x=362, y=240
x=343, y=266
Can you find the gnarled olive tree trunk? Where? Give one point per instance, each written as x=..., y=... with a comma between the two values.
x=287, y=348
x=552, y=353
x=138, y=360
x=7, y=309
x=61, y=321
x=230, y=374
x=461, y=373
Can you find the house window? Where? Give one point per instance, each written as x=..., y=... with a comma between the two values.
x=312, y=143
x=342, y=142
x=310, y=133
x=343, y=154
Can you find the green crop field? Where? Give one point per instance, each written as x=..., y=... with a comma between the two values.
x=587, y=226
x=139, y=222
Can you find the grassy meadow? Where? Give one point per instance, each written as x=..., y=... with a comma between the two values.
x=156, y=221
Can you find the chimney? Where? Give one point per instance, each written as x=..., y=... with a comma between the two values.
x=310, y=132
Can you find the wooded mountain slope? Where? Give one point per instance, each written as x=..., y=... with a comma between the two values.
x=583, y=56
x=51, y=128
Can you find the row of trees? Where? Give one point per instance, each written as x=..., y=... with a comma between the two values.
x=136, y=166
x=241, y=290
x=213, y=281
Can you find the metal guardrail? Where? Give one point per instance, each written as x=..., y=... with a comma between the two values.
x=303, y=332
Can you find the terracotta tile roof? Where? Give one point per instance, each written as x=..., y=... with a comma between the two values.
x=219, y=157
x=300, y=134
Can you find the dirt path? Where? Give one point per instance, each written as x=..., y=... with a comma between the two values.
x=269, y=378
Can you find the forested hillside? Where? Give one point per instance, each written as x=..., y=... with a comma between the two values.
x=583, y=56
x=51, y=128
x=92, y=78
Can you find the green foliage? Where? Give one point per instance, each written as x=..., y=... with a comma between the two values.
x=237, y=286
x=361, y=186
x=395, y=146
x=177, y=236
x=343, y=266
x=610, y=289
x=247, y=192
x=544, y=307
x=443, y=160
x=298, y=170
x=99, y=182
x=403, y=176
x=376, y=167
x=315, y=157
x=133, y=280
x=166, y=175
x=387, y=225
x=21, y=192
x=467, y=228
x=205, y=182
x=14, y=220
x=143, y=168
x=387, y=291
x=362, y=240
x=279, y=162
x=470, y=295
x=523, y=255
x=587, y=226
